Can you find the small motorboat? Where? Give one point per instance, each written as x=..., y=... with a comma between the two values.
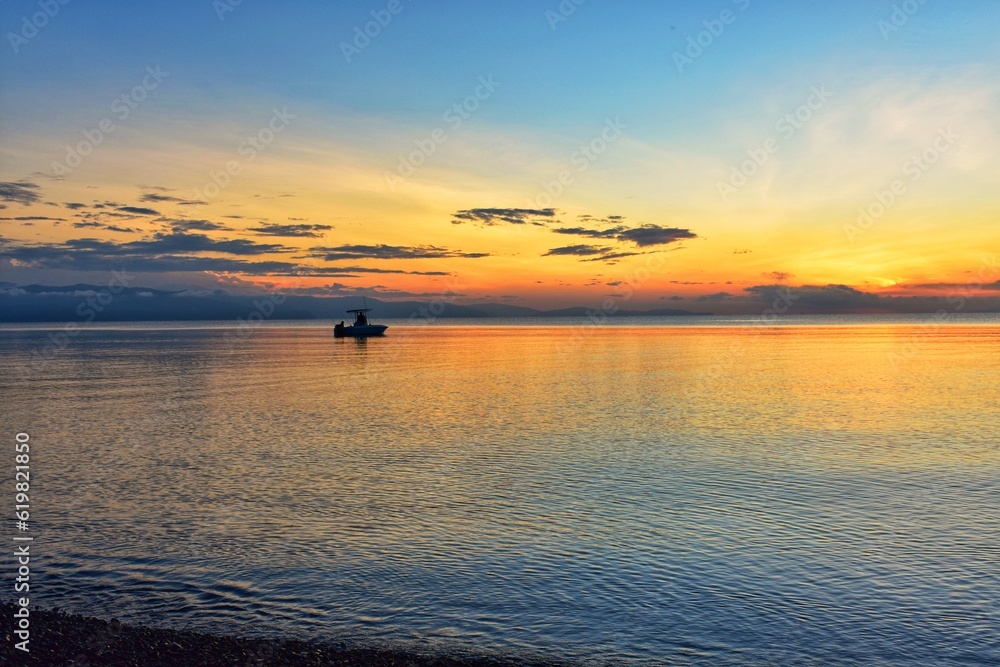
x=361, y=327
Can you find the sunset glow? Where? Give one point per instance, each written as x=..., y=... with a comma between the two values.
x=698, y=155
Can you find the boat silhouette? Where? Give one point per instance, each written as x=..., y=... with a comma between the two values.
x=361, y=328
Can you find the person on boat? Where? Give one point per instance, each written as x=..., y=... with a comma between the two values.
x=362, y=320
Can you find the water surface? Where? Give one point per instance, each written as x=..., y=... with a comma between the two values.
x=811, y=493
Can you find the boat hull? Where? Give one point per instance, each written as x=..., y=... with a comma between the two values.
x=360, y=331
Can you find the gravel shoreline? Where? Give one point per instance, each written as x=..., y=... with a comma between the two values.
x=59, y=639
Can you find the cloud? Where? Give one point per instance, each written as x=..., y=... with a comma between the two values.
x=181, y=225
x=21, y=192
x=592, y=233
x=828, y=298
x=834, y=299
x=81, y=289
x=648, y=235
x=389, y=252
x=182, y=242
x=611, y=256
x=952, y=288
x=74, y=205
x=94, y=221
x=34, y=217
x=847, y=299
x=138, y=210
x=577, y=250
x=271, y=229
x=642, y=236
x=777, y=276
x=346, y=270
x=171, y=253
x=153, y=198
x=718, y=296
x=609, y=219
x=106, y=256
x=491, y=217
x=160, y=244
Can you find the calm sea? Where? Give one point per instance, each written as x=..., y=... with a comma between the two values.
x=690, y=491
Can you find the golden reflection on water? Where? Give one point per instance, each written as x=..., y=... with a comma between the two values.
x=487, y=480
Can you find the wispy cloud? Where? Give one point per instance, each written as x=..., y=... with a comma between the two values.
x=298, y=230
x=138, y=210
x=389, y=252
x=153, y=198
x=642, y=236
x=610, y=233
x=175, y=252
x=95, y=224
x=613, y=256
x=579, y=250
x=181, y=242
x=22, y=192
x=491, y=217
x=350, y=270
x=182, y=225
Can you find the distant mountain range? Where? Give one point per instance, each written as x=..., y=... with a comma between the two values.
x=85, y=303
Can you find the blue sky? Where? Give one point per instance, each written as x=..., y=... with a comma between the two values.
x=604, y=57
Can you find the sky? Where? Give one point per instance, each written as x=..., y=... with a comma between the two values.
x=701, y=156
